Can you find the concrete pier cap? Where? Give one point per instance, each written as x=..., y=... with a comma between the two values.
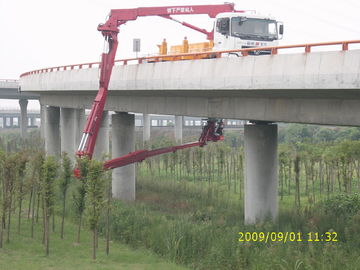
x=261, y=172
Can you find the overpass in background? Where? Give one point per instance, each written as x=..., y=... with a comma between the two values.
x=10, y=118
x=9, y=89
x=310, y=87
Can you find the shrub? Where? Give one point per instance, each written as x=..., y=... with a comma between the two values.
x=342, y=205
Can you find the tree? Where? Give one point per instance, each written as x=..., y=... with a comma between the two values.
x=295, y=133
x=346, y=153
x=297, y=180
x=108, y=209
x=325, y=134
x=65, y=180
x=36, y=175
x=37, y=163
x=96, y=185
x=21, y=179
x=2, y=197
x=49, y=172
x=10, y=174
x=80, y=192
x=283, y=160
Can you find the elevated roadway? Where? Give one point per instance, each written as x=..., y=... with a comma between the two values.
x=317, y=88
x=9, y=89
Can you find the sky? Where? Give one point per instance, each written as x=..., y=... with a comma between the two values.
x=44, y=33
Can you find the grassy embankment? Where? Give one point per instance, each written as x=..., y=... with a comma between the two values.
x=23, y=252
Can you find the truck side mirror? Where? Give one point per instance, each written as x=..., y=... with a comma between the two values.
x=281, y=29
x=223, y=25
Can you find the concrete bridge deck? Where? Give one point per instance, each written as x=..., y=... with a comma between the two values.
x=9, y=89
x=318, y=88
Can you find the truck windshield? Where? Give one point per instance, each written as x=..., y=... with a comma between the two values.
x=255, y=29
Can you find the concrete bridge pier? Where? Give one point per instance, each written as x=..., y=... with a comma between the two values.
x=123, y=142
x=146, y=128
x=51, y=131
x=42, y=120
x=68, y=128
x=261, y=172
x=80, y=120
x=23, y=117
x=102, y=141
x=179, y=120
x=31, y=121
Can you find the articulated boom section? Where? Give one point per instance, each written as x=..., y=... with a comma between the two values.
x=88, y=140
x=121, y=16
x=211, y=132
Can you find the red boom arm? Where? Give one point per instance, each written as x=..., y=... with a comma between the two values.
x=110, y=31
x=211, y=132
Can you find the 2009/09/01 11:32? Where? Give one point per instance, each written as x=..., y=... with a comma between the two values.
x=284, y=237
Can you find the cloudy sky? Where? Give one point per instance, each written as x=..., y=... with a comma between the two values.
x=43, y=33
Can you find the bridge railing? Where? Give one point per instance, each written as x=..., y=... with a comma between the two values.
x=9, y=83
x=9, y=80
x=343, y=46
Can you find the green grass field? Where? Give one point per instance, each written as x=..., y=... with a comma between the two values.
x=23, y=252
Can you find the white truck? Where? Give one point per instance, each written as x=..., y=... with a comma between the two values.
x=246, y=30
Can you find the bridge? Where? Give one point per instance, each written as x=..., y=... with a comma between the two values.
x=10, y=118
x=9, y=89
x=308, y=87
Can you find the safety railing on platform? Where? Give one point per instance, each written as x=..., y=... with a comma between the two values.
x=344, y=46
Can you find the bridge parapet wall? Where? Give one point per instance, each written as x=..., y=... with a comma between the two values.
x=320, y=70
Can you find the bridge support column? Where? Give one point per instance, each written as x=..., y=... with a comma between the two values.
x=146, y=129
x=23, y=117
x=102, y=142
x=179, y=120
x=80, y=120
x=68, y=131
x=261, y=172
x=51, y=131
x=123, y=142
x=42, y=120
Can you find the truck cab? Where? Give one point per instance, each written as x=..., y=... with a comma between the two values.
x=246, y=30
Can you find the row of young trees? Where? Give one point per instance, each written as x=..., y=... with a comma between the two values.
x=214, y=164
x=310, y=170
x=318, y=170
x=44, y=183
